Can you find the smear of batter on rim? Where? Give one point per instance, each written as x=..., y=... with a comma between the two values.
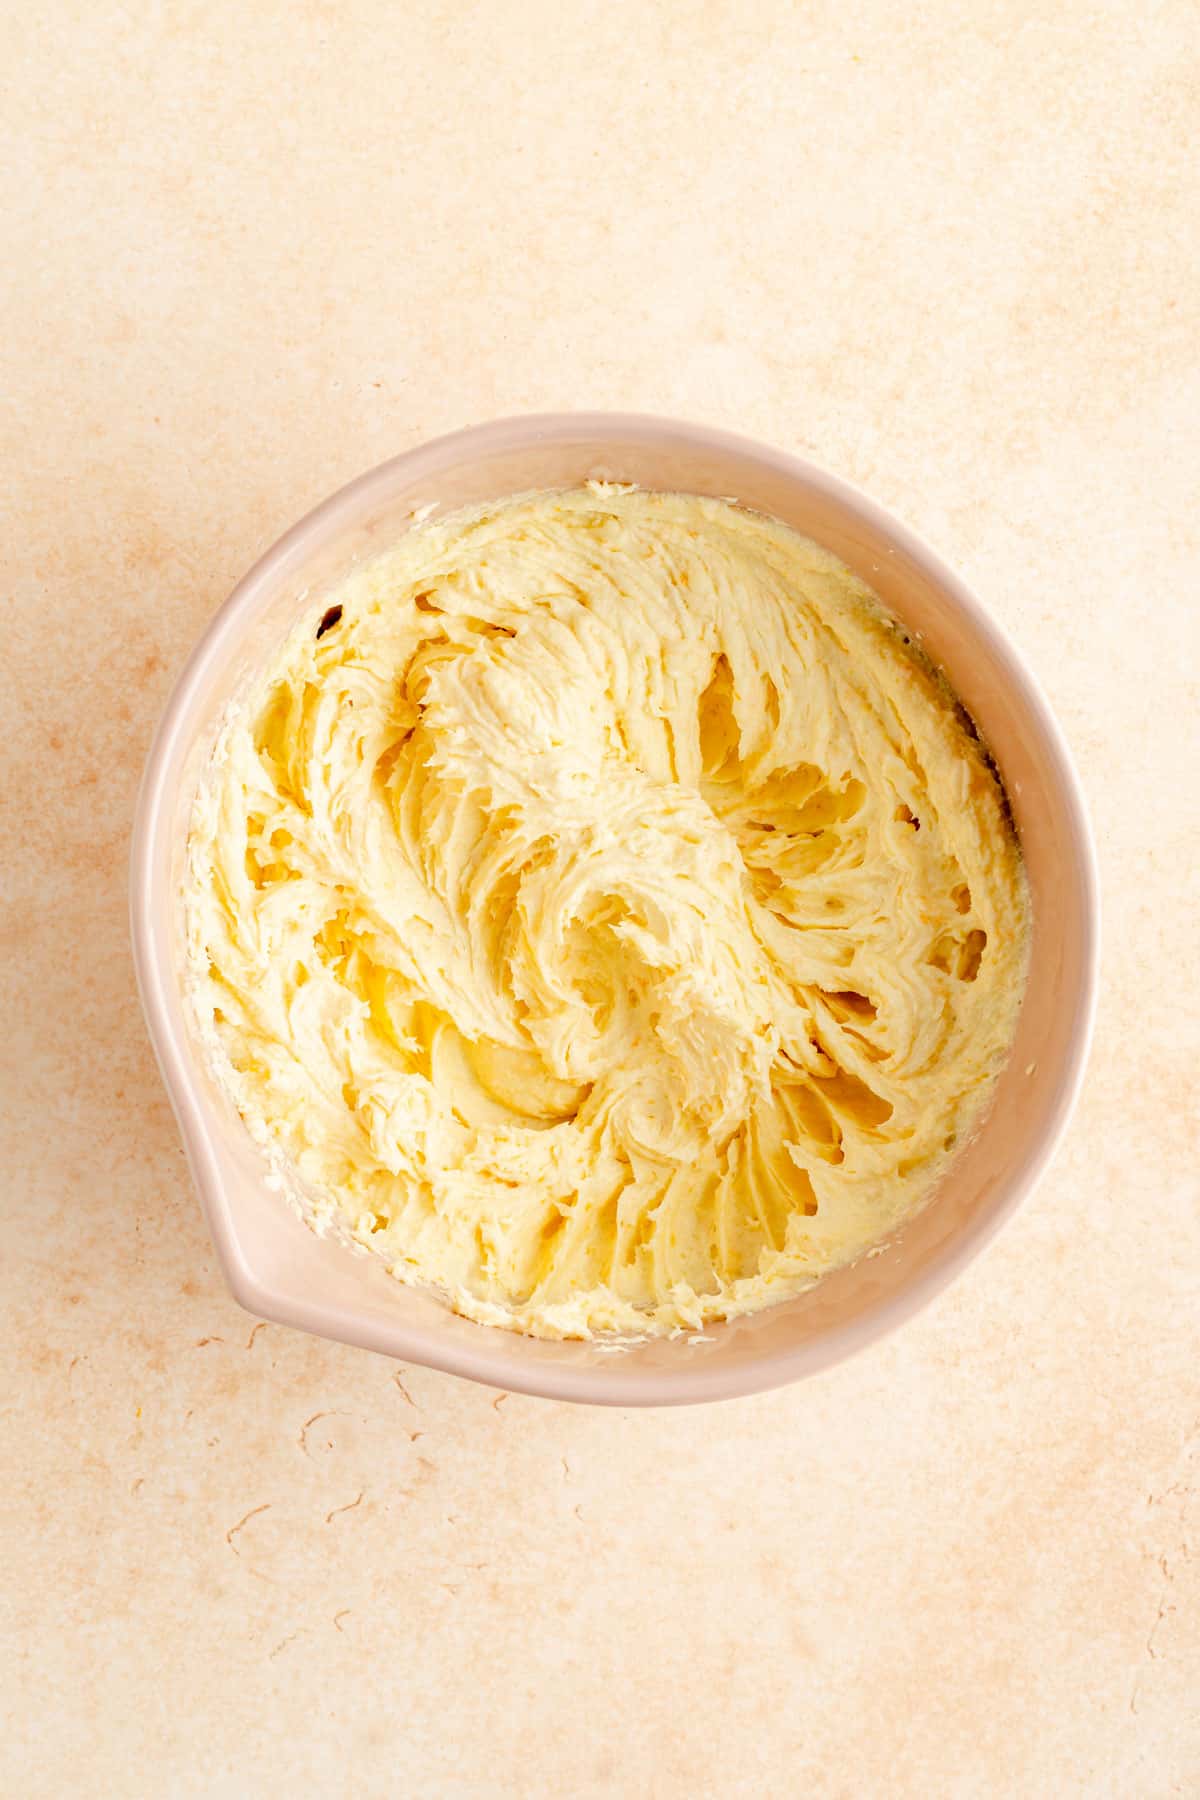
x=607, y=911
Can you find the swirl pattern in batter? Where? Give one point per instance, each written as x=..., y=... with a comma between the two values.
x=606, y=912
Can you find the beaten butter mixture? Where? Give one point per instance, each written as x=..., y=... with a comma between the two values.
x=606, y=913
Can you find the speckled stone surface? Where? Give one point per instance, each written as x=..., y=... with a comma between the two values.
x=947, y=251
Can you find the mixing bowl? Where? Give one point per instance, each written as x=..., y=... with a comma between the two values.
x=280, y=1270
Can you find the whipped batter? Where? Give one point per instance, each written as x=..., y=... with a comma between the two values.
x=606, y=913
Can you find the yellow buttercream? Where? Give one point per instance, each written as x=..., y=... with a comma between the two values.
x=607, y=911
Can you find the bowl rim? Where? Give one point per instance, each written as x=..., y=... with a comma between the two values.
x=151, y=818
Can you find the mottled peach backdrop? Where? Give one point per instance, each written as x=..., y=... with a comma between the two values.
x=949, y=251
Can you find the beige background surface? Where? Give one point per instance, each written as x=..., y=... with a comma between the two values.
x=248, y=251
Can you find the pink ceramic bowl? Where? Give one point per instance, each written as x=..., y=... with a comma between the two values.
x=278, y=1269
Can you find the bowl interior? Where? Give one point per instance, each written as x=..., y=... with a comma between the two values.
x=281, y=1270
